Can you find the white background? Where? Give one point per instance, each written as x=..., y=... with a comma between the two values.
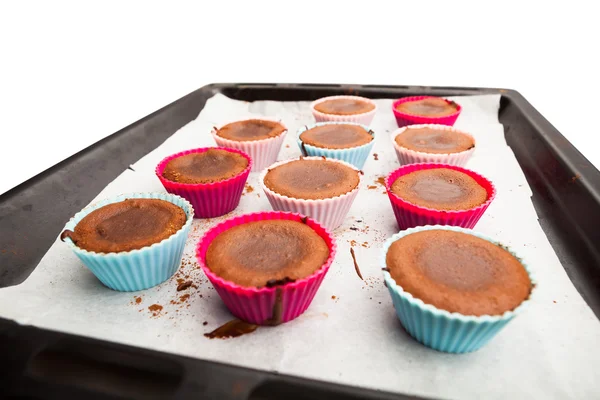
x=72, y=73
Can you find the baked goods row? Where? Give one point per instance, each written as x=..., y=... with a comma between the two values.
x=453, y=289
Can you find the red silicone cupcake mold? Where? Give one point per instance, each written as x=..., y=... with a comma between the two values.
x=404, y=119
x=410, y=215
x=208, y=199
x=257, y=305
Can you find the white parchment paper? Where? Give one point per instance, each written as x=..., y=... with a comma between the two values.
x=350, y=334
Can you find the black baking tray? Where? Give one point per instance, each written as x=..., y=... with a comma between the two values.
x=40, y=364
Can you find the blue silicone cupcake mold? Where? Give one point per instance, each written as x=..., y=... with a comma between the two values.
x=440, y=329
x=141, y=268
x=354, y=155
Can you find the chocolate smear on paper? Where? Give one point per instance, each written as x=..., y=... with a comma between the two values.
x=231, y=329
x=355, y=264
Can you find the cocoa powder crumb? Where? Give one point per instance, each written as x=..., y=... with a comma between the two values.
x=575, y=178
x=333, y=297
x=184, y=297
x=184, y=285
x=205, y=323
x=155, y=309
x=138, y=300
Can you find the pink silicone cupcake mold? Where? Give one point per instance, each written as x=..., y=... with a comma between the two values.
x=410, y=215
x=256, y=305
x=364, y=118
x=408, y=156
x=263, y=152
x=404, y=119
x=329, y=212
x=208, y=199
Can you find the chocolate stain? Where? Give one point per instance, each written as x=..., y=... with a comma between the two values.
x=371, y=132
x=355, y=264
x=68, y=234
x=278, y=282
x=231, y=329
x=385, y=269
x=376, y=156
x=304, y=219
x=215, y=129
x=184, y=285
x=276, y=317
x=303, y=148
